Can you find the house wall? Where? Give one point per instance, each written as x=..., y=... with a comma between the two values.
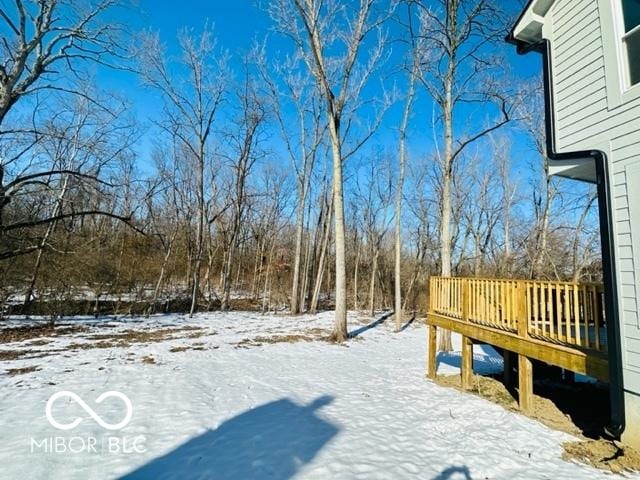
x=594, y=111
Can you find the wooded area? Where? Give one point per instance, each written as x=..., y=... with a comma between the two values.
x=379, y=150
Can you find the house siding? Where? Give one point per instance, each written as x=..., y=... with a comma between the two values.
x=587, y=119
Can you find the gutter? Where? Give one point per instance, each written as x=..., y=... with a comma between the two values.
x=616, y=387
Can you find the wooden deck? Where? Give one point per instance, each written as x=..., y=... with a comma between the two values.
x=559, y=323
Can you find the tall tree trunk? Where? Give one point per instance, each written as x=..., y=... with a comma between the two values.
x=445, y=344
x=163, y=268
x=43, y=243
x=340, y=328
x=313, y=307
x=355, y=278
x=399, y=192
x=372, y=282
x=295, y=288
x=306, y=274
x=195, y=294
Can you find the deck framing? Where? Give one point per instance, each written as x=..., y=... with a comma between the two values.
x=591, y=363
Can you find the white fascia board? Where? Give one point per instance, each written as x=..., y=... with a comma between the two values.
x=529, y=27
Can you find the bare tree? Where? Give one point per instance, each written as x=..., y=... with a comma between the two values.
x=43, y=37
x=317, y=30
x=454, y=36
x=192, y=88
x=302, y=139
x=402, y=158
x=44, y=45
x=244, y=141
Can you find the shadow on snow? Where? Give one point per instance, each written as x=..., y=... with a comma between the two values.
x=483, y=364
x=369, y=326
x=457, y=473
x=271, y=441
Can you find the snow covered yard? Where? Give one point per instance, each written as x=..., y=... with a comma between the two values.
x=219, y=396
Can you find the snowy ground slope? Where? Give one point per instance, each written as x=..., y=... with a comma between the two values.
x=237, y=410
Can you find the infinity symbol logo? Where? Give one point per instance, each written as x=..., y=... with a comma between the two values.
x=89, y=410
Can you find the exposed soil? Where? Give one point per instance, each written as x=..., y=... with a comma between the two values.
x=148, y=359
x=555, y=405
x=131, y=337
x=603, y=454
x=484, y=387
x=184, y=348
x=291, y=338
x=21, y=371
x=148, y=336
x=19, y=334
x=86, y=342
x=17, y=354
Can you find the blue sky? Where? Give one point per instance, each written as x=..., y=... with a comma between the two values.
x=237, y=24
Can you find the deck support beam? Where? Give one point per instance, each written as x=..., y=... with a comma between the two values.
x=432, y=352
x=466, y=368
x=590, y=363
x=525, y=383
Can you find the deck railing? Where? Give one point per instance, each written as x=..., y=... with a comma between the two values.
x=560, y=312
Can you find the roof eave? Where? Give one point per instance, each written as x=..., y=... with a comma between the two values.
x=527, y=31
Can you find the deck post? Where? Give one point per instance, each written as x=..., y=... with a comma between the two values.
x=432, y=351
x=465, y=300
x=525, y=367
x=466, y=370
x=525, y=383
x=521, y=309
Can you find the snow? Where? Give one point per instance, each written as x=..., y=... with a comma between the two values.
x=238, y=410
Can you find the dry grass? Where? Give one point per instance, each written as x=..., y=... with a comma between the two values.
x=6, y=355
x=21, y=371
x=20, y=334
x=148, y=360
x=184, y=348
x=128, y=338
x=259, y=341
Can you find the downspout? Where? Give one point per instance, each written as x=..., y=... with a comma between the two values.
x=616, y=388
x=607, y=241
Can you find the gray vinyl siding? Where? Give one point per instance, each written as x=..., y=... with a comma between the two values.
x=585, y=120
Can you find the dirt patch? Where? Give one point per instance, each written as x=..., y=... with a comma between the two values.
x=132, y=337
x=603, y=454
x=560, y=411
x=484, y=387
x=292, y=338
x=91, y=345
x=12, y=354
x=544, y=410
x=184, y=348
x=21, y=371
x=148, y=360
x=19, y=334
x=147, y=336
x=25, y=354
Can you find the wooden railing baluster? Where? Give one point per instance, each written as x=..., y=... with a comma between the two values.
x=561, y=312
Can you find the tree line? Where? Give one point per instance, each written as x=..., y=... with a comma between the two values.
x=389, y=143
